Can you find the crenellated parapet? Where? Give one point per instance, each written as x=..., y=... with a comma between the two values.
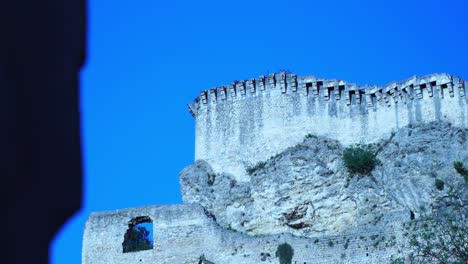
x=240, y=124
x=373, y=96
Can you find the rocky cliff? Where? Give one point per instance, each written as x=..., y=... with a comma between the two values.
x=306, y=190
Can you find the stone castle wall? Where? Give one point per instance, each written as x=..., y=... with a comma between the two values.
x=182, y=233
x=241, y=124
x=246, y=122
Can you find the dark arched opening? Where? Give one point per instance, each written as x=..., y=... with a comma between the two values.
x=139, y=235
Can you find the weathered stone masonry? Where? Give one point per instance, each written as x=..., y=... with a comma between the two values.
x=246, y=122
x=182, y=233
x=249, y=121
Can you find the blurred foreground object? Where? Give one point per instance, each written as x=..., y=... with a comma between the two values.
x=41, y=56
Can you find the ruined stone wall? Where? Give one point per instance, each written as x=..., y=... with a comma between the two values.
x=182, y=233
x=246, y=122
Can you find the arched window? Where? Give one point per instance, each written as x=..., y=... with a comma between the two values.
x=139, y=235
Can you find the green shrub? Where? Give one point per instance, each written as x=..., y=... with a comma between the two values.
x=285, y=253
x=311, y=136
x=441, y=236
x=330, y=243
x=439, y=184
x=359, y=159
x=258, y=166
x=458, y=166
x=399, y=260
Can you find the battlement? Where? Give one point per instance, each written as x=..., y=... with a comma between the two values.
x=371, y=96
x=248, y=121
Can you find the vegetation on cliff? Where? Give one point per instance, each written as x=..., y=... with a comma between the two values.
x=285, y=253
x=359, y=159
x=442, y=236
x=310, y=189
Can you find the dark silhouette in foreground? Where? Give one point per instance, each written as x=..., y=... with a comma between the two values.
x=42, y=51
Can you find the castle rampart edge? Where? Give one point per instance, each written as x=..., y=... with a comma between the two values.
x=312, y=86
x=248, y=121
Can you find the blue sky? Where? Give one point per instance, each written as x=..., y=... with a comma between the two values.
x=147, y=59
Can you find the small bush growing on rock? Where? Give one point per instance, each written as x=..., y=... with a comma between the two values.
x=311, y=136
x=258, y=166
x=359, y=159
x=398, y=260
x=439, y=184
x=441, y=237
x=285, y=253
x=458, y=166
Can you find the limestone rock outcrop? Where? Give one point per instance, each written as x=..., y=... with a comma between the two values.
x=306, y=190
